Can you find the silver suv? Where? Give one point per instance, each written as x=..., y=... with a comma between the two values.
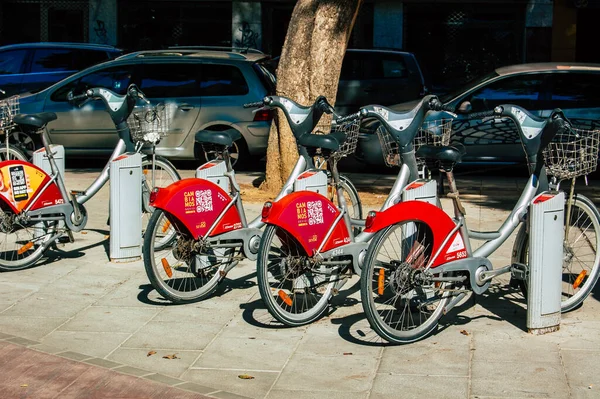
x=204, y=89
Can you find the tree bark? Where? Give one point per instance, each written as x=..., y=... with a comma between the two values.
x=309, y=66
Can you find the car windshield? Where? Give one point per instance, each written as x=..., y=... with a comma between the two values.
x=467, y=87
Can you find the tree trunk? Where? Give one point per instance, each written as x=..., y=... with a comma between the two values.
x=310, y=65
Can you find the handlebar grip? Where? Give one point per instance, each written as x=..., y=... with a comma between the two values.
x=481, y=115
x=254, y=105
x=79, y=97
x=447, y=108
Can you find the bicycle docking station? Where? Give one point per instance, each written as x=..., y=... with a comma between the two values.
x=215, y=171
x=40, y=159
x=546, y=236
x=421, y=190
x=125, y=208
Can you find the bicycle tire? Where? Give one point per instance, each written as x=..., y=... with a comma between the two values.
x=161, y=179
x=289, y=292
x=585, y=228
x=353, y=201
x=13, y=153
x=409, y=300
x=177, y=271
x=21, y=246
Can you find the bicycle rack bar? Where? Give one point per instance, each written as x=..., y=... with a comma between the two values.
x=125, y=208
x=546, y=235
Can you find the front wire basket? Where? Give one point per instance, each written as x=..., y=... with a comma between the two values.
x=350, y=130
x=149, y=124
x=9, y=107
x=436, y=133
x=572, y=153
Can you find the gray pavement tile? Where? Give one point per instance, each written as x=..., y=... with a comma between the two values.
x=155, y=362
x=5, y=336
x=257, y=352
x=74, y=355
x=110, y=319
x=212, y=310
x=56, y=304
x=163, y=379
x=339, y=373
x=227, y=395
x=229, y=381
x=131, y=293
x=22, y=341
x=444, y=354
x=47, y=348
x=287, y=394
x=29, y=327
x=499, y=347
x=388, y=385
x=323, y=339
x=103, y=363
x=581, y=368
x=98, y=344
x=132, y=371
x=190, y=386
x=519, y=378
x=577, y=335
x=173, y=335
x=11, y=292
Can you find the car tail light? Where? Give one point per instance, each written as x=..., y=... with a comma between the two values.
x=370, y=219
x=266, y=209
x=263, y=115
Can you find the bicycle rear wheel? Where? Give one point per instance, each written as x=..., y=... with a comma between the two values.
x=295, y=291
x=581, y=258
x=402, y=303
x=179, y=268
x=21, y=244
x=13, y=153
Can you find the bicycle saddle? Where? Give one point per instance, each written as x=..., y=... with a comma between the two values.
x=225, y=137
x=325, y=141
x=36, y=121
x=445, y=154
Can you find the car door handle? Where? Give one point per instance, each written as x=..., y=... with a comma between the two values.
x=185, y=107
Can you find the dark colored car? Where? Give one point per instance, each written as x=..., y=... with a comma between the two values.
x=31, y=67
x=201, y=89
x=539, y=88
x=373, y=76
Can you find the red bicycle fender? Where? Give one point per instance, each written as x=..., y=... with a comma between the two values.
x=438, y=221
x=308, y=216
x=196, y=204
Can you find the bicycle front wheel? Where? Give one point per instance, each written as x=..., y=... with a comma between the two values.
x=161, y=175
x=179, y=269
x=402, y=302
x=13, y=153
x=581, y=258
x=295, y=291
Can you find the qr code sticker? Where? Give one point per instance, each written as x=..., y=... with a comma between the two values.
x=315, y=212
x=203, y=201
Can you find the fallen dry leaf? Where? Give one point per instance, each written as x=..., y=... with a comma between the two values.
x=245, y=377
x=84, y=232
x=347, y=353
x=151, y=353
x=464, y=332
x=24, y=385
x=173, y=356
x=106, y=237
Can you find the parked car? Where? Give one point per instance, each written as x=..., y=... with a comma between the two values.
x=539, y=88
x=203, y=89
x=373, y=76
x=31, y=67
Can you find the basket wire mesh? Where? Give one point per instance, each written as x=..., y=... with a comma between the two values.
x=350, y=130
x=436, y=132
x=149, y=124
x=9, y=107
x=572, y=153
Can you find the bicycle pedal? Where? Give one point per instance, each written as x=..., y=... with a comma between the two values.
x=76, y=193
x=518, y=271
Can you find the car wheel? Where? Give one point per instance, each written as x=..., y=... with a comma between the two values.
x=238, y=152
x=25, y=142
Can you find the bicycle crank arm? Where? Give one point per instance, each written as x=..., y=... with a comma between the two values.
x=455, y=301
x=485, y=276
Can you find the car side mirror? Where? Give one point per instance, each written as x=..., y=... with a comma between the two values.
x=465, y=107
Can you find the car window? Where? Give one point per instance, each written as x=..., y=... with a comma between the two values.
x=11, y=61
x=85, y=58
x=352, y=67
x=170, y=80
x=52, y=60
x=522, y=90
x=222, y=80
x=116, y=79
x=575, y=90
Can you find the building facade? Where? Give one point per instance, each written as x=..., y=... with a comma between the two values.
x=454, y=40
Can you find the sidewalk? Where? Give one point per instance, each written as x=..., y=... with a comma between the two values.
x=107, y=321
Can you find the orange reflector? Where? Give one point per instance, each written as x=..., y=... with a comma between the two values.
x=437, y=284
x=380, y=281
x=285, y=298
x=579, y=279
x=167, y=267
x=25, y=248
x=145, y=171
x=166, y=226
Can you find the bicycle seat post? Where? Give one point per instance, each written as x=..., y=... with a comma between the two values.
x=459, y=210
